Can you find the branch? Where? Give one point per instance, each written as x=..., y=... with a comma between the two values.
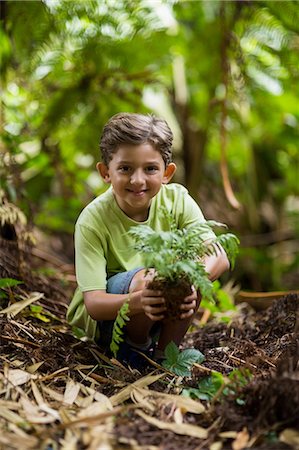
x=225, y=42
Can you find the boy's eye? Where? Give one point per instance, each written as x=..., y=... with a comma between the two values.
x=151, y=169
x=124, y=169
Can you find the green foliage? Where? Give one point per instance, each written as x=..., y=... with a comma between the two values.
x=221, y=305
x=119, y=323
x=181, y=363
x=179, y=254
x=64, y=79
x=207, y=387
x=238, y=378
x=9, y=282
x=38, y=312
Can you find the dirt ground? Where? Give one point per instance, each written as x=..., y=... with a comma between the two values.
x=59, y=392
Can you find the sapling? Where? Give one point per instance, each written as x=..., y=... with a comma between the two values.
x=177, y=257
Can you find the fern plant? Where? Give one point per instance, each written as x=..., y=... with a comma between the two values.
x=119, y=323
x=178, y=258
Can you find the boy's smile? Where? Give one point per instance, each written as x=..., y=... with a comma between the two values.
x=136, y=173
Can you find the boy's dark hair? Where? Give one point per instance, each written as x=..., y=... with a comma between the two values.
x=136, y=129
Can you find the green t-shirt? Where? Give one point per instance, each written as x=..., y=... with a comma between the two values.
x=103, y=246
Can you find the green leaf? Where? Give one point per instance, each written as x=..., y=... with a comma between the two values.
x=9, y=282
x=36, y=308
x=206, y=388
x=171, y=352
x=190, y=356
x=181, y=363
x=41, y=317
x=119, y=323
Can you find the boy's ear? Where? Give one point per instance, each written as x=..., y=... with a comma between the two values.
x=103, y=171
x=169, y=172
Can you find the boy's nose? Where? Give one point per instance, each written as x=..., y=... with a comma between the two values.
x=137, y=177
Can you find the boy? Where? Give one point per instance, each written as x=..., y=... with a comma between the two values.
x=136, y=162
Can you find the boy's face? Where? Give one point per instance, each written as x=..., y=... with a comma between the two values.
x=136, y=173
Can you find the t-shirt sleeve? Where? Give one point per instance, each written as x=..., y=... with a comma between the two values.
x=90, y=259
x=192, y=215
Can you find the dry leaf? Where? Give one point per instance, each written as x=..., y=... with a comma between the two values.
x=17, y=363
x=228, y=434
x=34, y=367
x=69, y=442
x=50, y=411
x=17, y=377
x=241, y=440
x=37, y=395
x=71, y=392
x=53, y=394
x=11, y=440
x=38, y=414
x=17, y=307
x=216, y=446
x=99, y=397
x=184, y=429
x=95, y=408
x=10, y=416
x=29, y=408
x=10, y=405
x=84, y=402
x=153, y=398
x=290, y=436
x=178, y=416
x=139, y=398
x=125, y=393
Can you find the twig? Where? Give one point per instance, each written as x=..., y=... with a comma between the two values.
x=19, y=340
x=242, y=361
x=205, y=369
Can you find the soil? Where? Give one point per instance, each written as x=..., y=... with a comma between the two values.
x=173, y=292
x=57, y=391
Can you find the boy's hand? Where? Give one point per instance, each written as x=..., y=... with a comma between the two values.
x=189, y=305
x=153, y=304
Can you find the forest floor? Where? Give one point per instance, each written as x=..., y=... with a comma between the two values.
x=59, y=392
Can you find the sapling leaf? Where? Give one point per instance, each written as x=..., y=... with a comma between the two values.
x=190, y=356
x=207, y=388
x=181, y=371
x=181, y=363
x=171, y=353
x=230, y=243
x=179, y=253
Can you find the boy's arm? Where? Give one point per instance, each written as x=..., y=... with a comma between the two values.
x=103, y=306
x=216, y=264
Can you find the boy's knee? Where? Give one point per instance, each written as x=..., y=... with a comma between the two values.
x=138, y=281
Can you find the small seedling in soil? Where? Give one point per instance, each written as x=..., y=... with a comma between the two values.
x=181, y=363
x=177, y=256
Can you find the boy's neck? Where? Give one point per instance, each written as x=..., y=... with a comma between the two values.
x=140, y=217
x=137, y=216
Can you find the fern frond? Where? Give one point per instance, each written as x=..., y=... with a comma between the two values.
x=230, y=244
x=119, y=323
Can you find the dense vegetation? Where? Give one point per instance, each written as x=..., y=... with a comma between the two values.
x=225, y=76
